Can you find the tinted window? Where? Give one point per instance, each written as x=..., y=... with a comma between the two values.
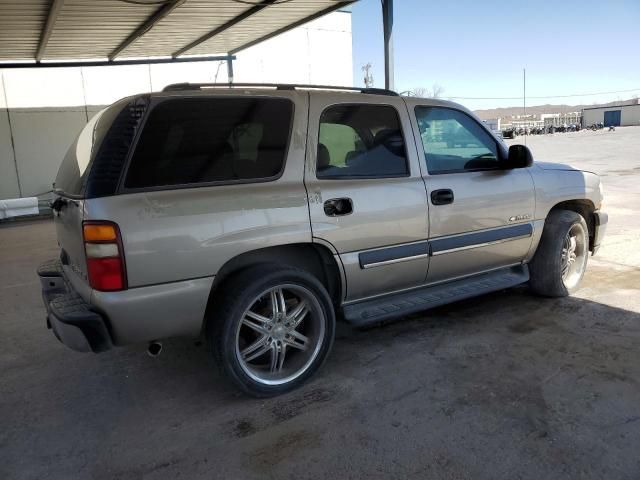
x=454, y=142
x=103, y=132
x=73, y=169
x=360, y=141
x=196, y=140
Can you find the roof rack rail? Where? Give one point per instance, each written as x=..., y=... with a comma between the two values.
x=175, y=87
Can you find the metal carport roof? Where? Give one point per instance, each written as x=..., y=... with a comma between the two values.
x=53, y=31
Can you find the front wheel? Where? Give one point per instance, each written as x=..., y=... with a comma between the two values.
x=559, y=263
x=273, y=330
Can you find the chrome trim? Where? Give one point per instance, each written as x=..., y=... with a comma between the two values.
x=395, y=260
x=478, y=245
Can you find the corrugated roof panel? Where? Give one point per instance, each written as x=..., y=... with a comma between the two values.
x=267, y=20
x=21, y=23
x=93, y=29
x=186, y=23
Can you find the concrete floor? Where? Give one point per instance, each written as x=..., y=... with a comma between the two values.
x=503, y=386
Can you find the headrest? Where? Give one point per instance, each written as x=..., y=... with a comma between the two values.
x=391, y=139
x=324, y=159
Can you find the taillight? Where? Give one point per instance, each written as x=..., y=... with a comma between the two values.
x=105, y=257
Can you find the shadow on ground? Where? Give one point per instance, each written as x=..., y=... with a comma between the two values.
x=506, y=385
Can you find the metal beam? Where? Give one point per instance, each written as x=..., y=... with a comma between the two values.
x=107, y=63
x=244, y=15
x=56, y=6
x=321, y=13
x=387, y=27
x=148, y=24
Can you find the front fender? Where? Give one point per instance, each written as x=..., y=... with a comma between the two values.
x=556, y=186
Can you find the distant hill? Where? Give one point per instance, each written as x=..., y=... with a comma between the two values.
x=509, y=112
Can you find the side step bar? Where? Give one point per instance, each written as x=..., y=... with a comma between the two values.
x=396, y=305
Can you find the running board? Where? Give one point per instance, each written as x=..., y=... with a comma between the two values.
x=396, y=305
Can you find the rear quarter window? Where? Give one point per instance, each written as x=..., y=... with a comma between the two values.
x=206, y=140
x=74, y=167
x=93, y=164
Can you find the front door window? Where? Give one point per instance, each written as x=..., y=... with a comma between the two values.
x=454, y=142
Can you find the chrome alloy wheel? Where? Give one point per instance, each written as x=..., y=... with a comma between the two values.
x=574, y=255
x=280, y=334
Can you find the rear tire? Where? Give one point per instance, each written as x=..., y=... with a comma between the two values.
x=558, y=265
x=272, y=330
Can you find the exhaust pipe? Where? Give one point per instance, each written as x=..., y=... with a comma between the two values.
x=154, y=349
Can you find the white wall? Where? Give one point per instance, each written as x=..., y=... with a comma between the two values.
x=629, y=115
x=46, y=108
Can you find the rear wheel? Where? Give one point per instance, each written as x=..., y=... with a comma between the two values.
x=559, y=264
x=273, y=330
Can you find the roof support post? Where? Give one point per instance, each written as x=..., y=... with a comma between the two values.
x=55, y=8
x=387, y=26
x=230, y=68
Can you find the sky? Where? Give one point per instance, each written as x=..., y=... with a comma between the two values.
x=479, y=49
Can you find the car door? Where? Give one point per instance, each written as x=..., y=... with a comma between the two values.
x=480, y=214
x=367, y=199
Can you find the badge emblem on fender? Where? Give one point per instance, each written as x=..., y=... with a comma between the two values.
x=517, y=218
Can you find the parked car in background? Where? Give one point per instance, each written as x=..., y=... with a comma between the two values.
x=254, y=216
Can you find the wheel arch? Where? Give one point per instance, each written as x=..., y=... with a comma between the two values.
x=314, y=258
x=584, y=207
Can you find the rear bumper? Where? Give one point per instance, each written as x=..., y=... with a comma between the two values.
x=600, y=227
x=72, y=320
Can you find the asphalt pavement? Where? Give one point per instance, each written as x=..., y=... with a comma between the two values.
x=507, y=385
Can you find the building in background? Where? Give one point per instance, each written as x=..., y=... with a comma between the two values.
x=625, y=114
x=559, y=119
x=493, y=123
x=42, y=110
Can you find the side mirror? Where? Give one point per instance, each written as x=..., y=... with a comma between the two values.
x=519, y=157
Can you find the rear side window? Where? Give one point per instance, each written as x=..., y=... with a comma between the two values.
x=360, y=141
x=202, y=140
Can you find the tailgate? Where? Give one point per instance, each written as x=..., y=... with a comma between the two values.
x=68, y=204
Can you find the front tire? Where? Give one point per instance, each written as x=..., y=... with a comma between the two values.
x=558, y=265
x=273, y=329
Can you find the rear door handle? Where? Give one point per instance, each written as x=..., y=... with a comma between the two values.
x=442, y=197
x=338, y=206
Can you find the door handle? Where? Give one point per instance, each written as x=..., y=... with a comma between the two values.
x=338, y=206
x=442, y=197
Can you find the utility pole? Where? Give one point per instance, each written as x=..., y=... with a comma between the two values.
x=368, y=78
x=524, y=100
